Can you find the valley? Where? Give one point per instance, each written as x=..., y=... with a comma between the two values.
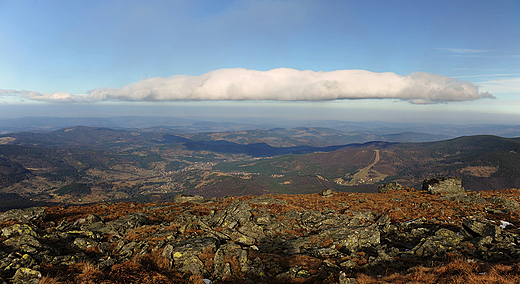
x=83, y=165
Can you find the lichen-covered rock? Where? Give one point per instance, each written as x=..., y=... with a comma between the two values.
x=84, y=243
x=26, y=215
x=505, y=203
x=240, y=238
x=122, y=225
x=194, y=265
x=23, y=243
x=19, y=229
x=234, y=252
x=263, y=219
x=353, y=238
x=236, y=213
x=27, y=276
x=297, y=245
x=365, y=215
x=383, y=222
x=179, y=251
x=437, y=245
x=348, y=265
x=383, y=263
x=252, y=230
x=481, y=228
x=87, y=222
x=182, y=198
x=67, y=259
x=444, y=185
x=286, y=275
x=16, y=260
x=389, y=187
x=343, y=279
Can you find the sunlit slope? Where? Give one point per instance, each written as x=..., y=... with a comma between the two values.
x=483, y=162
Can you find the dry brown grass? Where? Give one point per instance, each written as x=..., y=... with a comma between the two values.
x=49, y=280
x=458, y=271
x=326, y=243
x=90, y=274
x=295, y=232
x=207, y=257
x=196, y=279
x=131, y=272
x=8, y=223
x=154, y=261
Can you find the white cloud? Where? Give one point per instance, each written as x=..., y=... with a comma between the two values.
x=54, y=97
x=283, y=84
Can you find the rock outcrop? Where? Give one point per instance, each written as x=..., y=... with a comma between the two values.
x=269, y=239
x=389, y=187
x=444, y=185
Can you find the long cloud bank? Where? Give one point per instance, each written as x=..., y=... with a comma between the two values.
x=282, y=84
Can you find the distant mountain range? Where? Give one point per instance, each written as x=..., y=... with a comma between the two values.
x=359, y=131
x=301, y=139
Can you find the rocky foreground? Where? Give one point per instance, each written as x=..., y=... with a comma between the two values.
x=441, y=234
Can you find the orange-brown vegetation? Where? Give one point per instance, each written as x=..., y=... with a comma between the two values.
x=207, y=258
x=456, y=271
x=49, y=280
x=400, y=206
x=89, y=274
x=326, y=243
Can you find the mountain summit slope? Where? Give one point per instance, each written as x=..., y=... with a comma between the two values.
x=399, y=236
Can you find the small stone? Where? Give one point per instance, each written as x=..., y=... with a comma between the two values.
x=426, y=205
x=343, y=279
x=226, y=271
x=348, y=265
x=182, y=198
x=84, y=243
x=326, y=193
x=303, y=274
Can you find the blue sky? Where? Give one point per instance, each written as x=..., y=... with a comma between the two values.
x=405, y=61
